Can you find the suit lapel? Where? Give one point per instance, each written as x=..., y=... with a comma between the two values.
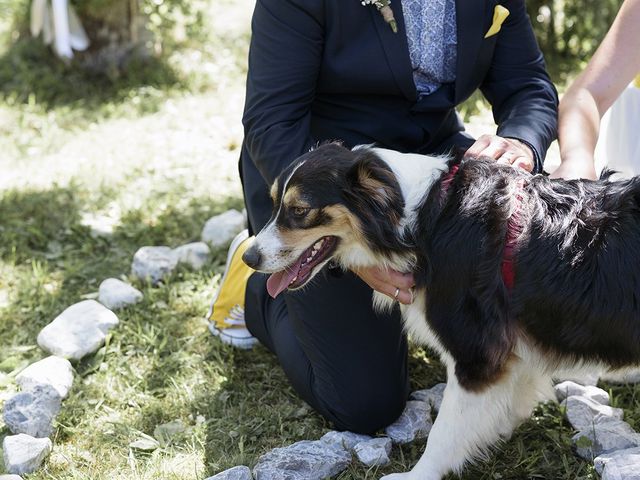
x=396, y=50
x=470, y=15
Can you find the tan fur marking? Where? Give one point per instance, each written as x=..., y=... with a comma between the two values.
x=292, y=197
x=274, y=191
x=344, y=221
x=341, y=225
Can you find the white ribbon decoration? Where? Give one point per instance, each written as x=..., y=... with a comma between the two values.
x=60, y=25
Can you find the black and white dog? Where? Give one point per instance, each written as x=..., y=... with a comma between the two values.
x=517, y=276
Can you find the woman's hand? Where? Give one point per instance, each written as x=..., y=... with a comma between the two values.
x=392, y=283
x=504, y=150
x=571, y=169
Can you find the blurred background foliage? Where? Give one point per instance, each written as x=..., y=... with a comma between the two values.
x=147, y=44
x=138, y=48
x=569, y=31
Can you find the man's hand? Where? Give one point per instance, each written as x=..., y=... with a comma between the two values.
x=388, y=282
x=505, y=150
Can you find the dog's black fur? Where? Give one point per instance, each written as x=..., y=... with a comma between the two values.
x=574, y=301
x=577, y=281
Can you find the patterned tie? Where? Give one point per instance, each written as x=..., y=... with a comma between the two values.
x=432, y=38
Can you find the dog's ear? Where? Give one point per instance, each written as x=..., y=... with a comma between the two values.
x=372, y=185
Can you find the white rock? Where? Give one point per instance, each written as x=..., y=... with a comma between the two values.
x=221, y=229
x=78, y=331
x=194, y=254
x=10, y=477
x=115, y=294
x=414, y=423
x=32, y=412
x=433, y=396
x=24, y=454
x=53, y=371
x=153, y=263
x=5, y=301
x=346, y=440
x=569, y=388
x=605, y=437
x=619, y=465
x=235, y=473
x=145, y=444
x=374, y=452
x=582, y=412
x=305, y=460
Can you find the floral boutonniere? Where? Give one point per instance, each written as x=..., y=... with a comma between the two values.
x=384, y=7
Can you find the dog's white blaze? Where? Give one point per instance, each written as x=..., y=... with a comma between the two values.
x=269, y=242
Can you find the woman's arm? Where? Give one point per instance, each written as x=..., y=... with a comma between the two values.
x=611, y=69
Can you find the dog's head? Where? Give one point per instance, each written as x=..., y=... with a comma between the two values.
x=331, y=203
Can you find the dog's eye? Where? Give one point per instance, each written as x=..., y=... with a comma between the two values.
x=300, y=211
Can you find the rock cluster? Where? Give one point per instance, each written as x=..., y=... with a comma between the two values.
x=602, y=435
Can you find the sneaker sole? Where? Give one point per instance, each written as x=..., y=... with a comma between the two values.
x=246, y=343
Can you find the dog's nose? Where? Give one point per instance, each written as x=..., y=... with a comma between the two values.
x=252, y=257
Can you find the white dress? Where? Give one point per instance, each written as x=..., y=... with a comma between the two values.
x=618, y=146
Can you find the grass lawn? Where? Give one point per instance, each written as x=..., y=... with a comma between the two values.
x=155, y=160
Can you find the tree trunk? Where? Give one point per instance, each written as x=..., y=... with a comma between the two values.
x=118, y=35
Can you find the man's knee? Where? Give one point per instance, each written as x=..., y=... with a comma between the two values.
x=370, y=411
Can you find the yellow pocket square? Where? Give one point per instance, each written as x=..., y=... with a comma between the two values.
x=500, y=13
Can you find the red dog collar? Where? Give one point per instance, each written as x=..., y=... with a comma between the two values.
x=514, y=226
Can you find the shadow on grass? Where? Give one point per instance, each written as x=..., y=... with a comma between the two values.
x=254, y=410
x=31, y=74
x=50, y=260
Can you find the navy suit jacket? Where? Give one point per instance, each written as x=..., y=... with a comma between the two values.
x=333, y=69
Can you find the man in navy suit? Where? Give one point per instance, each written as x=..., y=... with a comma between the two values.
x=333, y=69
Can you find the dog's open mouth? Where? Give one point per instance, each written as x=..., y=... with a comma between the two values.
x=296, y=275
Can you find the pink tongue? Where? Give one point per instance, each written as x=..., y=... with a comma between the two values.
x=279, y=281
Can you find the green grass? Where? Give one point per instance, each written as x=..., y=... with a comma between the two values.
x=156, y=153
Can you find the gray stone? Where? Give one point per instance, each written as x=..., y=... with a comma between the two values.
x=305, y=460
x=32, y=412
x=235, y=473
x=53, y=371
x=582, y=412
x=569, y=388
x=433, y=396
x=24, y=454
x=10, y=477
x=220, y=230
x=374, y=452
x=196, y=254
x=145, y=444
x=153, y=263
x=78, y=331
x=619, y=465
x=115, y=294
x=346, y=440
x=414, y=423
x=605, y=437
